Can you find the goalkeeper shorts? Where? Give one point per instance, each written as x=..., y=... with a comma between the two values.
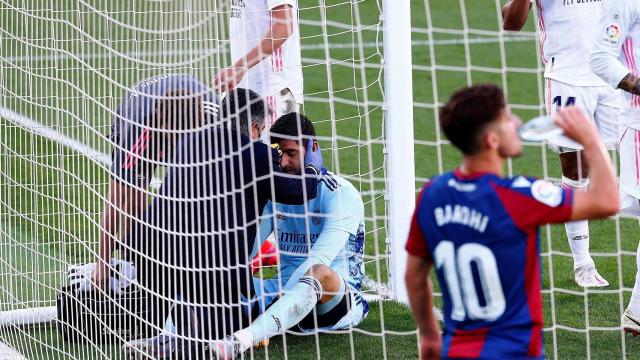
x=347, y=311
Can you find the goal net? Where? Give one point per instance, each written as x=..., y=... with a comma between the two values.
x=65, y=66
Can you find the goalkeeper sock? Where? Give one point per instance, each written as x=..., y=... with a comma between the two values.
x=634, y=303
x=286, y=312
x=578, y=231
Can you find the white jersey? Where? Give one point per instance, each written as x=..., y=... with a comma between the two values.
x=250, y=20
x=566, y=37
x=617, y=49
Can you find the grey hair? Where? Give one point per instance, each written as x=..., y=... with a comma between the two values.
x=243, y=105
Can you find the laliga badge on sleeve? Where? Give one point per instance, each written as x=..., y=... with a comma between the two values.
x=612, y=34
x=546, y=193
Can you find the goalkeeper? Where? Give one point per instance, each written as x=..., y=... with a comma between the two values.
x=144, y=131
x=321, y=265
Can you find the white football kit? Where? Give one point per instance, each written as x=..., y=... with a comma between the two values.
x=277, y=78
x=614, y=55
x=566, y=37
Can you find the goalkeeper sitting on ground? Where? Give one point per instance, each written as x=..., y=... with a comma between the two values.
x=321, y=245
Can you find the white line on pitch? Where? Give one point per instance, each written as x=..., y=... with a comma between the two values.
x=224, y=49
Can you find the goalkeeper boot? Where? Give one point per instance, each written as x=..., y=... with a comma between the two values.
x=631, y=323
x=158, y=347
x=587, y=276
x=228, y=348
x=267, y=256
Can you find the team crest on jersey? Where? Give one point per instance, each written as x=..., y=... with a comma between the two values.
x=612, y=34
x=547, y=193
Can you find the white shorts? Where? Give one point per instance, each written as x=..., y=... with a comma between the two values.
x=630, y=162
x=603, y=104
x=349, y=311
x=281, y=103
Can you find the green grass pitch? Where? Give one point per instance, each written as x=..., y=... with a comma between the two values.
x=61, y=63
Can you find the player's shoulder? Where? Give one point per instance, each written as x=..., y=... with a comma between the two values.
x=333, y=186
x=543, y=191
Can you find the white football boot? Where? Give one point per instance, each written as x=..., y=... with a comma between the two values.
x=587, y=276
x=631, y=323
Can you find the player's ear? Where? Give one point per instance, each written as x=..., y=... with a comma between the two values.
x=491, y=140
x=315, y=146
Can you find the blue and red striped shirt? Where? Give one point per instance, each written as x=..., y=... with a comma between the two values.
x=482, y=234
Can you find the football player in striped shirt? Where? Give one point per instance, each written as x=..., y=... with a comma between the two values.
x=481, y=231
x=265, y=50
x=570, y=81
x=321, y=244
x=614, y=59
x=144, y=130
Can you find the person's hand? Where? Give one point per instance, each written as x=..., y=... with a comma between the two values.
x=576, y=125
x=228, y=78
x=313, y=157
x=100, y=276
x=430, y=346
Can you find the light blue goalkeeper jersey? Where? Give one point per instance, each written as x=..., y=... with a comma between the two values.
x=327, y=230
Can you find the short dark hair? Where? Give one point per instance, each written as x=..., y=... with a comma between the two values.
x=242, y=107
x=292, y=125
x=466, y=115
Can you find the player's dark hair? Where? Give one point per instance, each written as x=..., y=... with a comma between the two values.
x=290, y=126
x=242, y=107
x=466, y=115
x=179, y=110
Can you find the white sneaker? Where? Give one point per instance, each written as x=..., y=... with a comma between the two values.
x=587, y=276
x=631, y=323
x=225, y=349
x=158, y=347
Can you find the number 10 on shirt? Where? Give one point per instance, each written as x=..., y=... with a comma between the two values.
x=461, y=284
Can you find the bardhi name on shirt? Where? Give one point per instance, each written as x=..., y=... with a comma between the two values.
x=463, y=215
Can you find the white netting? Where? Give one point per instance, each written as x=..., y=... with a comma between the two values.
x=66, y=65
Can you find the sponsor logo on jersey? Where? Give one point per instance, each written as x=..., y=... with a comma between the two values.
x=280, y=216
x=547, y=193
x=612, y=34
x=462, y=187
x=521, y=182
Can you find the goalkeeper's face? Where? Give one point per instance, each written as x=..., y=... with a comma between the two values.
x=291, y=155
x=508, y=143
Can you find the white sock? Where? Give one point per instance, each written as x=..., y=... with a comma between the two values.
x=286, y=312
x=634, y=303
x=578, y=231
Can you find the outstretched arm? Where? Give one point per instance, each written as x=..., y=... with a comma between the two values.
x=515, y=14
x=123, y=203
x=281, y=28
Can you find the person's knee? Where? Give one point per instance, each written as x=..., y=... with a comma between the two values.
x=329, y=280
x=321, y=272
